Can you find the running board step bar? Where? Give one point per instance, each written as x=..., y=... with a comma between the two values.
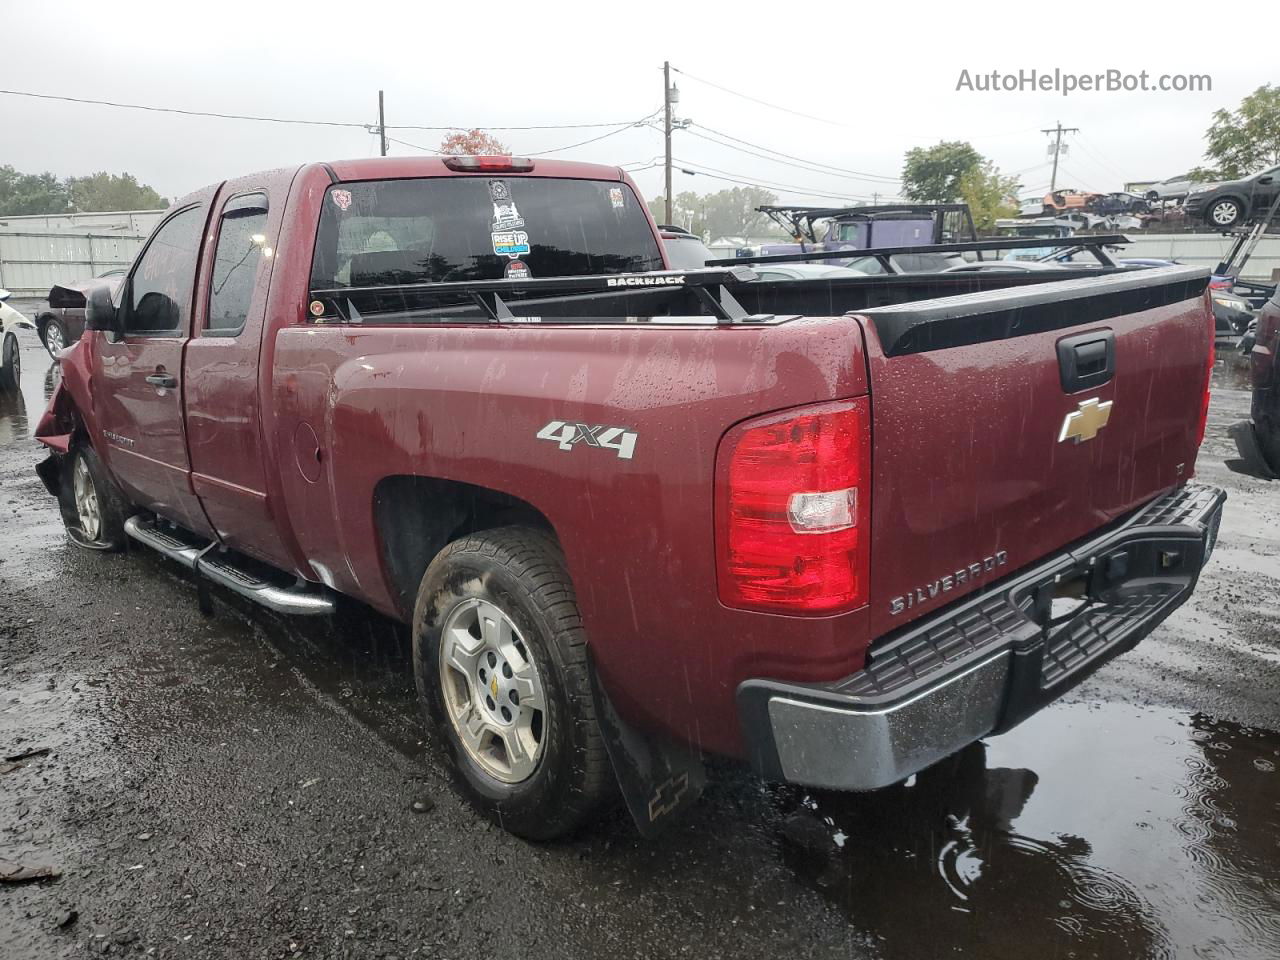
x=222, y=570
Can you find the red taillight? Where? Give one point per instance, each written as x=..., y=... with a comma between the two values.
x=793, y=510
x=1208, y=377
x=489, y=164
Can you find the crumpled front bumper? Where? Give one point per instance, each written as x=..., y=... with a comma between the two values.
x=986, y=662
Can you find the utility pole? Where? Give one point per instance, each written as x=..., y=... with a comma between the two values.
x=666, y=127
x=1058, y=130
x=382, y=126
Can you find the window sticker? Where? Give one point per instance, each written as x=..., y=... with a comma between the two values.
x=616, y=197
x=506, y=216
x=342, y=198
x=498, y=190
x=510, y=243
x=516, y=270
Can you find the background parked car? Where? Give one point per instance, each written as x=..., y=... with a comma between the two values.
x=803, y=271
x=1176, y=188
x=1229, y=204
x=684, y=250
x=10, y=357
x=63, y=323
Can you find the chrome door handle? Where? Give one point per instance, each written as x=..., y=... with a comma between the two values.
x=162, y=380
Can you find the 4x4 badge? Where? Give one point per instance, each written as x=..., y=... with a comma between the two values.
x=1084, y=422
x=606, y=438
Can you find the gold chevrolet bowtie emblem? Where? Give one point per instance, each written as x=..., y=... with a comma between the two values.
x=1084, y=422
x=493, y=685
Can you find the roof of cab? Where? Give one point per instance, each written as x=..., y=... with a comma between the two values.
x=392, y=168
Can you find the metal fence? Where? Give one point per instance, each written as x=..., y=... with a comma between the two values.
x=1205, y=250
x=37, y=252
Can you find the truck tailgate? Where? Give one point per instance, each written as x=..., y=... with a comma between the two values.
x=978, y=466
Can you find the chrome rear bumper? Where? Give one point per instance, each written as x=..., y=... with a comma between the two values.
x=987, y=662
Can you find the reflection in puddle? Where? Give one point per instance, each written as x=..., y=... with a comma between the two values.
x=1088, y=831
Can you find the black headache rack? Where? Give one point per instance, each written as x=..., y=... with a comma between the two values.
x=662, y=293
x=1094, y=245
x=799, y=221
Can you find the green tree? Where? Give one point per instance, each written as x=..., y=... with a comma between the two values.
x=725, y=213
x=732, y=213
x=932, y=174
x=688, y=210
x=989, y=194
x=1246, y=140
x=111, y=191
x=31, y=193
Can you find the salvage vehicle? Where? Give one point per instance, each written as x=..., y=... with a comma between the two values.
x=635, y=517
x=1176, y=188
x=1230, y=204
x=63, y=322
x=10, y=349
x=1258, y=438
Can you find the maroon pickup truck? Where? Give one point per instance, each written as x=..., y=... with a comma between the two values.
x=636, y=517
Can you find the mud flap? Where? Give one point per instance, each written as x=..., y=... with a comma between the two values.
x=658, y=777
x=1252, y=462
x=49, y=471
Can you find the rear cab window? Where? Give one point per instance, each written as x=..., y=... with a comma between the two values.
x=448, y=229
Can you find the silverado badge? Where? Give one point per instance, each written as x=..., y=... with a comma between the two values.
x=1084, y=422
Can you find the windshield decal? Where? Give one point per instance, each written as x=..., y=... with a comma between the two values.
x=616, y=197
x=516, y=270
x=510, y=243
x=506, y=216
x=342, y=198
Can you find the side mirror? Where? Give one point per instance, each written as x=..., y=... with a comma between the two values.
x=99, y=312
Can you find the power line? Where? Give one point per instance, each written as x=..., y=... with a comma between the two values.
x=406, y=143
x=800, y=163
x=718, y=174
x=583, y=143
x=763, y=103
x=310, y=123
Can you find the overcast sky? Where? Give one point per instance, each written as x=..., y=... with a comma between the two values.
x=880, y=77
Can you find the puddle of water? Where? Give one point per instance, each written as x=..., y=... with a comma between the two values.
x=1089, y=831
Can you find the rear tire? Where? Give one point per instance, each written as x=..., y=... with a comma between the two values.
x=10, y=364
x=501, y=666
x=93, y=510
x=54, y=336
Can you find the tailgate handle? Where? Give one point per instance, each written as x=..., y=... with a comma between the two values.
x=1087, y=360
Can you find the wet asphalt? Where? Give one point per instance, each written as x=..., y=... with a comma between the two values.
x=254, y=786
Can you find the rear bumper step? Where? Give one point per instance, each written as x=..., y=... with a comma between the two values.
x=985, y=663
x=222, y=570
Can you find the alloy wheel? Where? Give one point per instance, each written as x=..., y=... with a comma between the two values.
x=1224, y=213
x=85, y=494
x=53, y=339
x=492, y=692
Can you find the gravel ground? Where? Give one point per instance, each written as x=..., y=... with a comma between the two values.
x=252, y=786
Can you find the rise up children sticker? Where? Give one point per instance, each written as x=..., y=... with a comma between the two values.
x=510, y=243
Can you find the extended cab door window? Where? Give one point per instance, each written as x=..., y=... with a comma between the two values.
x=158, y=298
x=242, y=247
